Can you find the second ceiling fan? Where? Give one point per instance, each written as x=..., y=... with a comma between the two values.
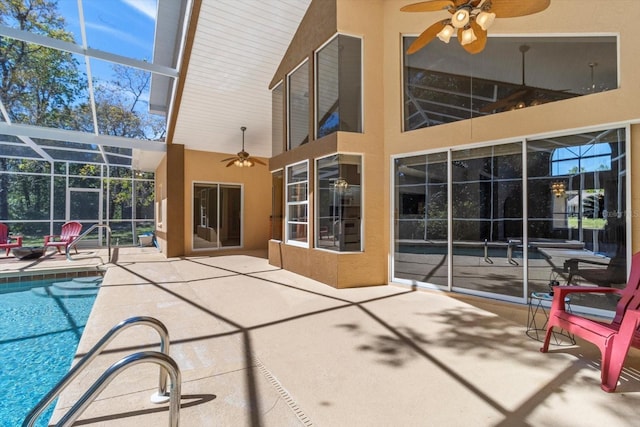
x=470, y=19
x=242, y=159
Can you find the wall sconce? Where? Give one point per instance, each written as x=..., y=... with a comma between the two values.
x=557, y=188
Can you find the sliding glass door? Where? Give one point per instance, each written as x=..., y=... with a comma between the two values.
x=521, y=216
x=217, y=216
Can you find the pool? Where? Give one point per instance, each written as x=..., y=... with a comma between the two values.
x=40, y=327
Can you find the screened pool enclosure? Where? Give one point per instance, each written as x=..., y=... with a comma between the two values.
x=83, y=113
x=38, y=197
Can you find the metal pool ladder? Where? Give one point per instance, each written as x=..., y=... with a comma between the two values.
x=162, y=358
x=83, y=235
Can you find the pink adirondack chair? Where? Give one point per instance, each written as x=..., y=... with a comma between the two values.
x=7, y=242
x=613, y=339
x=70, y=231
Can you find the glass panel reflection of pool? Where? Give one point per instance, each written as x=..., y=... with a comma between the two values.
x=40, y=328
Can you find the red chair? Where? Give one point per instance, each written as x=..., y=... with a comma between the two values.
x=7, y=242
x=613, y=339
x=70, y=231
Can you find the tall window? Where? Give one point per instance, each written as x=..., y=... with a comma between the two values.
x=339, y=212
x=217, y=215
x=277, y=120
x=443, y=83
x=298, y=204
x=298, y=103
x=339, y=86
x=277, y=204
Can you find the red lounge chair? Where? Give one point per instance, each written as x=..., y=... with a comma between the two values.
x=7, y=242
x=613, y=339
x=70, y=231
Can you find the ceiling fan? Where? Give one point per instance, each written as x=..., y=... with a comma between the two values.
x=525, y=96
x=243, y=159
x=470, y=18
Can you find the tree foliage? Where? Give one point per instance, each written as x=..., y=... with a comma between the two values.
x=47, y=87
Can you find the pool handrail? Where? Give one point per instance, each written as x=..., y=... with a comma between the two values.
x=159, y=397
x=166, y=364
x=83, y=235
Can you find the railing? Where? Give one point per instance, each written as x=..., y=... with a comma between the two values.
x=166, y=364
x=83, y=235
x=159, y=397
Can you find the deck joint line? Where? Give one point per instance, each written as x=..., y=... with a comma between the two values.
x=284, y=394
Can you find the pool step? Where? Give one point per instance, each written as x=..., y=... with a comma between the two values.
x=78, y=286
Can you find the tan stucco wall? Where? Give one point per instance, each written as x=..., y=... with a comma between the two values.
x=170, y=189
x=381, y=25
x=201, y=166
x=369, y=267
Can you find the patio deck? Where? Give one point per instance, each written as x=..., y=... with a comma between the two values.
x=260, y=346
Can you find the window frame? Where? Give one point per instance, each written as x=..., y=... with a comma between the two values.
x=288, y=104
x=317, y=208
x=288, y=204
x=316, y=83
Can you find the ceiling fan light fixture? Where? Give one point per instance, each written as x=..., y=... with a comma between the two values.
x=468, y=36
x=485, y=19
x=460, y=18
x=446, y=33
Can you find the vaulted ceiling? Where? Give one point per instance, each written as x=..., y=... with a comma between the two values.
x=237, y=47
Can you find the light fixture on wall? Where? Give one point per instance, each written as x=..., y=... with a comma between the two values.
x=558, y=188
x=341, y=184
x=470, y=19
x=242, y=159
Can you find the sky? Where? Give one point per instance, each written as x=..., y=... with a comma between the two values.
x=125, y=27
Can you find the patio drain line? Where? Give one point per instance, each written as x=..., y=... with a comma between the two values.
x=284, y=394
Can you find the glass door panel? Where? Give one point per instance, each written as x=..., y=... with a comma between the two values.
x=487, y=220
x=420, y=223
x=577, y=208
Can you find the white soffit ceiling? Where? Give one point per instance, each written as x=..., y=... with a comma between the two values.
x=237, y=48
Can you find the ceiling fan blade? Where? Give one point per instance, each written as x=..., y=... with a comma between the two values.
x=513, y=8
x=427, y=36
x=231, y=162
x=260, y=162
x=228, y=158
x=428, y=6
x=479, y=43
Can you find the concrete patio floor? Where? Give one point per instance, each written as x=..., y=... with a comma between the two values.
x=260, y=346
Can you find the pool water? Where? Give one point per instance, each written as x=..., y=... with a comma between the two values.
x=40, y=328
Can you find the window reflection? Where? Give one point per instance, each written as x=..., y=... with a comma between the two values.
x=581, y=230
x=575, y=220
x=443, y=83
x=298, y=106
x=338, y=78
x=339, y=203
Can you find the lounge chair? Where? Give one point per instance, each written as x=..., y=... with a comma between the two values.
x=8, y=242
x=70, y=231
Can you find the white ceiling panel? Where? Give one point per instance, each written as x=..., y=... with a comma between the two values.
x=237, y=48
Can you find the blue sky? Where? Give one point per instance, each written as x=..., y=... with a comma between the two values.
x=125, y=27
